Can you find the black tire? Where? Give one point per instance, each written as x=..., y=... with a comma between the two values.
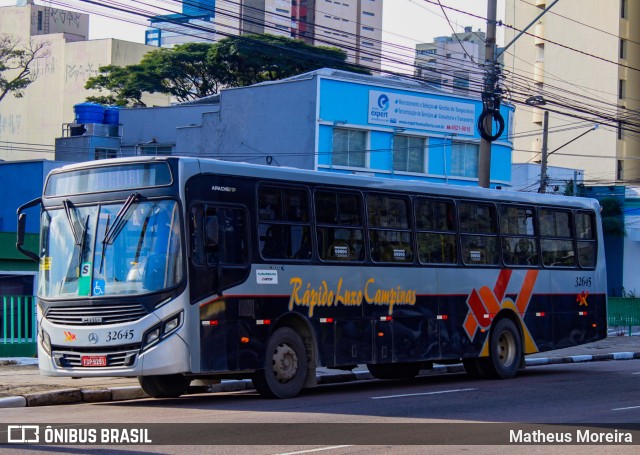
x=505, y=350
x=164, y=386
x=394, y=370
x=285, y=369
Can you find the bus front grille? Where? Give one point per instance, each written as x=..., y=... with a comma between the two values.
x=73, y=359
x=95, y=315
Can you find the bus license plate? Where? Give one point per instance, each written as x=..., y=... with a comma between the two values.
x=94, y=360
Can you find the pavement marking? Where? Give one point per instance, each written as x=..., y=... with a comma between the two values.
x=423, y=393
x=319, y=449
x=624, y=409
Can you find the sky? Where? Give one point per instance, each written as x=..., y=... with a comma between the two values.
x=405, y=22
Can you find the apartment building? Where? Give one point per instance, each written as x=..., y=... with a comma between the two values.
x=29, y=125
x=452, y=63
x=353, y=25
x=579, y=60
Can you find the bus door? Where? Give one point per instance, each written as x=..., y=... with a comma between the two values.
x=220, y=260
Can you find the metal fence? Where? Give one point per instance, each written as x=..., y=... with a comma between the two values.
x=18, y=327
x=623, y=312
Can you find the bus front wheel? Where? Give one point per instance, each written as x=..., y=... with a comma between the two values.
x=285, y=369
x=164, y=386
x=505, y=350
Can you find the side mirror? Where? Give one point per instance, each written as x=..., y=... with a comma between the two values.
x=22, y=226
x=211, y=231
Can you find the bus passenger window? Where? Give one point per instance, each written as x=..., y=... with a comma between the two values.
x=284, y=231
x=556, y=244
x=340, y=232
x=585, y=234
x=435, y=223
x=478, y=238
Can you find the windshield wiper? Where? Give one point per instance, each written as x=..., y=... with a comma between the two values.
x=119, y=221
x=73, y=222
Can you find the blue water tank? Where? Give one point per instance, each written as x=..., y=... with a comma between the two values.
x=89, y=113
x=111, y=115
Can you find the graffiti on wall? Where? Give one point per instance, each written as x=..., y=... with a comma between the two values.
x=81, y=72
x=10, y=123
x=63, y=19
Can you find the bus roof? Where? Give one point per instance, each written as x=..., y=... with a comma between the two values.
x=296, y=175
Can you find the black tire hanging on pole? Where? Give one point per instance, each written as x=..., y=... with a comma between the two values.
x=164, y=386
x=285, y=368
x=497, y=117
x=505, y=350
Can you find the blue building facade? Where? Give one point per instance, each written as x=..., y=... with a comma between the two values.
x=405, y=131
x=335, y=121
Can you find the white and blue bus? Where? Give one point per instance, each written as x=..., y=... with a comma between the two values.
x=173, y=269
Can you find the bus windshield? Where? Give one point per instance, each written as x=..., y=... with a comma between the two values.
x=105, y=250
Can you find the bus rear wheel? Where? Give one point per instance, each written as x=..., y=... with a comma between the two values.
x=505, y=350
x=285, y=369
x=164, y=386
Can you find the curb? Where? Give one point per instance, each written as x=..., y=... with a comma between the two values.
x=69, y=396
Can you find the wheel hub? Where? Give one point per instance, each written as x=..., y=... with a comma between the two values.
x=285, y=363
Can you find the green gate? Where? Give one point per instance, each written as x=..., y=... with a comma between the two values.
x=18, y=329
x=623, y=312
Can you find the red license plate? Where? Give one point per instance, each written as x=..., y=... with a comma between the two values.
x=94, y=360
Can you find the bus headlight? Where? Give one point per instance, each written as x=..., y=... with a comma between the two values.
x=171, y=324
x=160, y=331
x=45, y=340
x=152, y=336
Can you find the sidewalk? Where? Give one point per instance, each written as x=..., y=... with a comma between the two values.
x=22, y=385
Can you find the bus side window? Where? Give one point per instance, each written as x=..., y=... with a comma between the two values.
x=340, y=231
x=585, y=233
x=478, y=237
x=389, y=229
x=436, y=231
x=556, y=242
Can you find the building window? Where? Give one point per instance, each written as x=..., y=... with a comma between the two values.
x=154, y=150
x=623, y=48
x=408, y=154
x=349, y=147
x=623, y=9
x=369, y=29
x=39, y=20
x=464, y=159
x=367, y=13
x=103, y=154
x=622, y=89
x=620, y=173
x=461, y=81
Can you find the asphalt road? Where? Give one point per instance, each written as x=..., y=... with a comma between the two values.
x=376, y=416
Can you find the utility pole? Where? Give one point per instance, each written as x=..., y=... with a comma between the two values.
x=484, y=158
x=491, y=93
x=543, y=162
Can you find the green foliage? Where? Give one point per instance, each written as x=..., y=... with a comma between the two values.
x=612, y=216
x=124, y=85
x=252, y=59
x=16, y=64
x=195, y=70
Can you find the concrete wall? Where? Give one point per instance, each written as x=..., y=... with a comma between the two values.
x=29, y=125
x=253, y=123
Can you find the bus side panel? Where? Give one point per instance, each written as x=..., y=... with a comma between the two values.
x=354, y=340
x=219, y=345
x=574, y=315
